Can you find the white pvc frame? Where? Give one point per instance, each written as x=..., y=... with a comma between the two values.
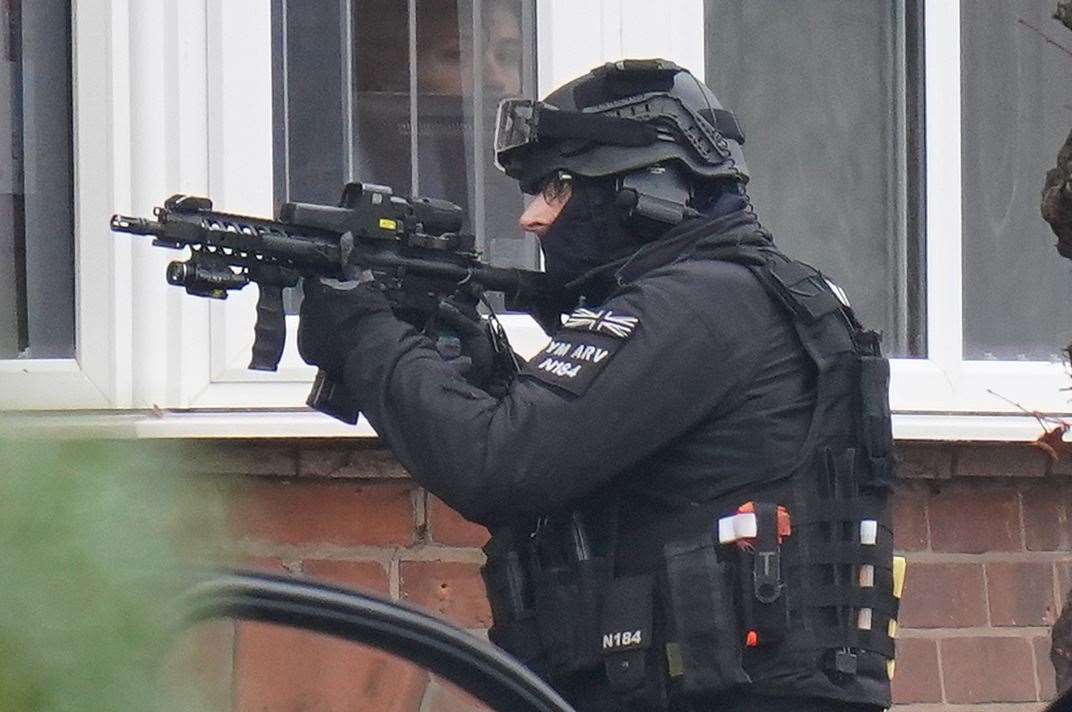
x=99, y=375
x=945, y=394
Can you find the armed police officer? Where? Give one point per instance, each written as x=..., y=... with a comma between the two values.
x=687, y=487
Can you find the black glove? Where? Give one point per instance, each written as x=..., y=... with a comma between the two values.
x=328, y=332
x=485, y=359
x=477, y=355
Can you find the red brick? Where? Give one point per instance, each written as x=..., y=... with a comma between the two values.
x=348, y=461
x=1020, y=593
x=1064, y=580
x=925, y=461
x=943, y=595
x=310, y=512
x=449, y=589
x=1046, y=517
x=910, y=518
x=1046, y=675
x=281, y=670
x=1005, y=460
x=916, y=678
x=1061, y=468
x=446, y=526
x=360, y=575
x=972, y=519
x=979, y=669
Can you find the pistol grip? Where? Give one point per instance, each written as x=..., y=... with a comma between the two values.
x=270, y=331
x=332, y=398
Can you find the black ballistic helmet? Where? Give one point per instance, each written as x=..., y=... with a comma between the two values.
x=618, y=118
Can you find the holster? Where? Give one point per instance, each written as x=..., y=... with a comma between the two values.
x=510, y=595
x=568, y=602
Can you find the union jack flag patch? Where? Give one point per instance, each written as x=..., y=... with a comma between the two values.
x=603, y=321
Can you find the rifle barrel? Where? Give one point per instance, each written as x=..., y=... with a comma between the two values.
x=136, y=226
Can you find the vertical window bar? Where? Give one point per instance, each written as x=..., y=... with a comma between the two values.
x=280, y=103
x=349, y=121
x=530, y=80
x=18, y=179
x=916, y=175
x=483, y=241
x=897, y=249
x=415, y=173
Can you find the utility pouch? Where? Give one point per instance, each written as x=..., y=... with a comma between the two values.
x=514, y=629
x=877, y=432
x=627, y=634
x=704, y=657
x=568, y=605
x=510, y=597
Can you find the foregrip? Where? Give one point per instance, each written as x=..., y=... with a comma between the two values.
x=270, y=331
x=332, y=398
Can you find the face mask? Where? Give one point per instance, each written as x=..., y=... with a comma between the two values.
x=587, y=233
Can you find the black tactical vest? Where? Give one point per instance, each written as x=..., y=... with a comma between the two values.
x=813, y=610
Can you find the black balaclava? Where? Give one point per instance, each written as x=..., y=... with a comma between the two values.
x=587, y=234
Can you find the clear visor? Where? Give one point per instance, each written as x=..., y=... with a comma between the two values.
x=515, y=125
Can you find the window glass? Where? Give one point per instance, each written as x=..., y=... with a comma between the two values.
x=36, y=173
x=829, y=96
x=352, y=79
x=1016, y=110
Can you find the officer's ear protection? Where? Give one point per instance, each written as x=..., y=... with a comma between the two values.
x=654, y=198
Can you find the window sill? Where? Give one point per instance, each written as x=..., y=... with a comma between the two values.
x=301, y=423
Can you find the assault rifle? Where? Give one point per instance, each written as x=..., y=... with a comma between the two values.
x=413, y=246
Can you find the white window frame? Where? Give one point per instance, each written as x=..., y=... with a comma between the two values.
x=929, y=391
x=176, y=101
x=98, y=377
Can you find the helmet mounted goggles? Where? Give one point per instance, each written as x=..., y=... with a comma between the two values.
x=637, y=121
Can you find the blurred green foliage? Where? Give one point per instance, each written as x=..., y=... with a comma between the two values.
x=94, y=540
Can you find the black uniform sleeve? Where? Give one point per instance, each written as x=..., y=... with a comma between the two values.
x=609, y=390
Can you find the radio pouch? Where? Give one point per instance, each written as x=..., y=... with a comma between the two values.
x=704, y=657
x=627, y=633
x=877, y=432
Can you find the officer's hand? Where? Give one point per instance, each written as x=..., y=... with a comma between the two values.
x=477, y=357
x=330, y=313
x=481, y=363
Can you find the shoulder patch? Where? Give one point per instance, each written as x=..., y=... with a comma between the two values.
x=602, y=321
x=573, y=359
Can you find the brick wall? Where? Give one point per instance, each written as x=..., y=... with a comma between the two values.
x=985, y=529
